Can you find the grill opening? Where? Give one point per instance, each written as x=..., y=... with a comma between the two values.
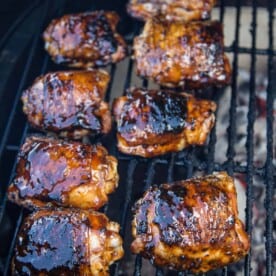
x=245, y=123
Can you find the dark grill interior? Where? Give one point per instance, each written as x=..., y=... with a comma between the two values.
x=22, y=59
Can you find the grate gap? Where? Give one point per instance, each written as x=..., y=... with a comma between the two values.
x=129, y=184
x=112, y=73
x=22, y=83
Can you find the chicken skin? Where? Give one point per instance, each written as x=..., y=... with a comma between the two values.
x=185, y=10
x=152, y=122
x=53, y=173
x=178, y=54
x=66, y=242
x=85, y=40
x=69, y=103
x=190, y=225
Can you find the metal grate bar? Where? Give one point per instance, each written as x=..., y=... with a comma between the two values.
x=22, y=82
x=145, y=83
x=31, y=57
x=269, y=181
x=159, y=272
x=138, y=265
x=3, y=206
x=24, y=134
x=188, y=158
x=221, y=11
x=251, y=116
x=8, y=260
x=12, y=148
x=23, y=79
x=148, y=182
x=232, y=121
x=19, y=219
x=202, y=165
x=245, y=50
x=17, y=22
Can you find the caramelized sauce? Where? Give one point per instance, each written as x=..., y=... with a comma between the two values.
x=156, y=112
x=60, y=110
x=184, y=212
x=48, y=171
x=85, y=38
x=53, y=243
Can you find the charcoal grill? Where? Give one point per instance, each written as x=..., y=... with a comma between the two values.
x=22, y=58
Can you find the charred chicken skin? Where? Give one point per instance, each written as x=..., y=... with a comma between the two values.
x=184, y=10
x=190, y=225
x=152, y=122
x=85, y=39
x=66, y=242
x=69, y=103
x=52, y=173
x=181, y=54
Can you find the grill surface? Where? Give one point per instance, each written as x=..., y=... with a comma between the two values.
x=22, y=59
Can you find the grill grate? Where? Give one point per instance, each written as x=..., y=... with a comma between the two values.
x=136, y=173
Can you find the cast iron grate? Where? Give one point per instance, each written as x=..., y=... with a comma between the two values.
x=137, y=174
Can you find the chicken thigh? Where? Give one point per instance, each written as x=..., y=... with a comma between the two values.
x=179, y=54
x=69, y=103
x=184, y=10
x=52, y=173
x=66, y=242
x=85, y=40
x=155, y=122
x=190, y=225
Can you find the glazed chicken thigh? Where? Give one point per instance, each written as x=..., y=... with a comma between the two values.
x=153, y=122
x=53, y=173
x=66, y=242
x=190, y=225
x=85, y=40
x=185, y=10
x=69, y=103
x=189, y=55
